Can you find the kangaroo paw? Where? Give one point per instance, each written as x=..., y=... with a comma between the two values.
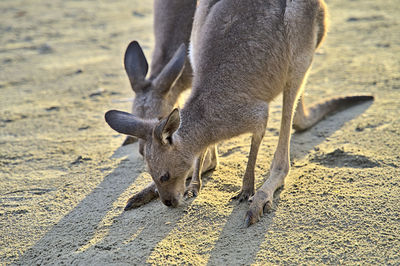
x=261, y=203
x=244, y=195
x=192, y=190
x=141, y=198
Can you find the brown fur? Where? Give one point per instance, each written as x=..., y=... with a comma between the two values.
x=244, y=54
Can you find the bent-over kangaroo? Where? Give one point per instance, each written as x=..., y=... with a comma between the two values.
x=171, y=74
x=244, y=53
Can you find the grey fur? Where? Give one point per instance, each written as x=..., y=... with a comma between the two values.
x=244, y=54
x=156, y=96
x=171, y=74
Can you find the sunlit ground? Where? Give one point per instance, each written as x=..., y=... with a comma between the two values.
x=64, y=180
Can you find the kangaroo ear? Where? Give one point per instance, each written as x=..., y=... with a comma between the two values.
x=172, y=71
x=129, y=124
x=166, y=127
x=135, y=64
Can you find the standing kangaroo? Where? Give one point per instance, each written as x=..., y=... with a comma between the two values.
x=244, y=54
x=171, y=74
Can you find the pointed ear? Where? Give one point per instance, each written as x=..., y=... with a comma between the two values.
x=135, y=64
x=172, y=71
x=166, y=127
x=129, y=124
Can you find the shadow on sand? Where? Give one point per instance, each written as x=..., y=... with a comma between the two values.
x=98, y=231
x=252, y=237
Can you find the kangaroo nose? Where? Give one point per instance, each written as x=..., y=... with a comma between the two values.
x=168, y=203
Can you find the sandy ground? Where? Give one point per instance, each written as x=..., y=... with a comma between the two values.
x=64, y=180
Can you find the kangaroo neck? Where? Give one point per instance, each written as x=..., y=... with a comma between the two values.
x=196, y=127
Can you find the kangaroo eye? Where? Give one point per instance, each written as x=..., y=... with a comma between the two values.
x=164, y=178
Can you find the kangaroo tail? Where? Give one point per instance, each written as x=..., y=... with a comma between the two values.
x=306, y=117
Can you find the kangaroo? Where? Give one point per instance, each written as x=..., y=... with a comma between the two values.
x=171, y=74
x=244, y=54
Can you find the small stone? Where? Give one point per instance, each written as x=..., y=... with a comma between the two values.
x=45, y=49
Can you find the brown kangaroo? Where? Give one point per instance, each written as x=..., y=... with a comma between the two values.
x=244, y=54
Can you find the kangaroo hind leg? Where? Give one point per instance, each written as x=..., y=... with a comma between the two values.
x=262, y=200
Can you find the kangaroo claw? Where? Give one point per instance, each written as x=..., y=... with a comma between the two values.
x=134, y=202
x=146, y=195
x=192, y=191
x=261, y=203
x=243, y=195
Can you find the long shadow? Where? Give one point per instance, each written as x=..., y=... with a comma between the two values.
x=137, y=232
x=94, y=225
x=232, y=245
x=98, y=231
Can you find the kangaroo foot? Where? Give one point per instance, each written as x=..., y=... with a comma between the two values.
x=145, y=196
x=192, y=190
x=244, y=195
x=260, y=203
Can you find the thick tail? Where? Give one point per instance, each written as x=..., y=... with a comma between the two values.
x=306, y=117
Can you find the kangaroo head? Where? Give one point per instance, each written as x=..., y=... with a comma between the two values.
x=152, y=95
x=167, y=162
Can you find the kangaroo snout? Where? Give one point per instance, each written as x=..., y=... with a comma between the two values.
x=173, y=202
x=170, y=198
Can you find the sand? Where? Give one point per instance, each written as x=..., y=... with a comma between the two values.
x=64, y=179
